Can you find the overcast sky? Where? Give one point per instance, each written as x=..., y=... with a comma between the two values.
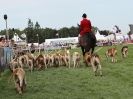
x=66, y=13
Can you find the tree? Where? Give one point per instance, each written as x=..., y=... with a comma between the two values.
x=105, y=32
x=16, y=31
x=37, y=32
x=73, y=31
x=37, y=25
x=94, y=29
x=11, y=32
x=64, y=32
x=30, y=32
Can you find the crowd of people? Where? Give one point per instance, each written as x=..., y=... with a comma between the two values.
x=3, y=42
x=7, y=43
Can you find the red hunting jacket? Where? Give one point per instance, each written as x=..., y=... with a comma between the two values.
x=85, y=26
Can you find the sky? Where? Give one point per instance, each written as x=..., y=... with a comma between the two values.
x=57, y=14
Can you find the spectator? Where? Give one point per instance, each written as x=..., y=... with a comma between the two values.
x=12, y=43
x=32, y=48
x=3, y=42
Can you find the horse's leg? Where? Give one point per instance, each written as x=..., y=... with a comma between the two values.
x=83, y=50
x=88, y=43
x=93, y=43
x=87, y=48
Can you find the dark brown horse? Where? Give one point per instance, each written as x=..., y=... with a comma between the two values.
x=87, y=42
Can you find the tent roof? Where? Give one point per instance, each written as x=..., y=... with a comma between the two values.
x=99, y=36
x=16, y=38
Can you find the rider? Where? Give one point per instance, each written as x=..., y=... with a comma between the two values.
x=87, y=38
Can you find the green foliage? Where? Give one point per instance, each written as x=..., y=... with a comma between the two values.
x=94, y=29
x=105, y=32
x=31, y=36
x=37, y=26
x=11, y=32
x=78, y=83
x=35, y=33
x=73, y=31
x=64, y=32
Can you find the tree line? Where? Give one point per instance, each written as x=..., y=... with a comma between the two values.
x=35, y=33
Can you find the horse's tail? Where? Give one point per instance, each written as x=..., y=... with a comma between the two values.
x=93, y=42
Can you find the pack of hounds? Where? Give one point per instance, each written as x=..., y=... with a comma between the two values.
x=56, y=59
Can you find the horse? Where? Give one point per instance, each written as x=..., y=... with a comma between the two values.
x=87, y=42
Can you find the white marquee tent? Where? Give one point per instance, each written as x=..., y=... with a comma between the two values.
x=110, y=37
x=72, y=40
x=100, y=37
x=18, y=40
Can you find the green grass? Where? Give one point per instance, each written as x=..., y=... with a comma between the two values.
x=79, y=83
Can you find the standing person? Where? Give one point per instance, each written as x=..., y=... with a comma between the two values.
x=3, y=42
x=12, y=43
x=32, y=48
x=87, y=39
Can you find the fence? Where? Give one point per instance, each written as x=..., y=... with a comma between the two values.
x=6, y=54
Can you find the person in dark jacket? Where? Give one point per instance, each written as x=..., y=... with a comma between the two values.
x=32, y=48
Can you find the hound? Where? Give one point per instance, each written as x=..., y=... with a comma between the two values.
x=67, y=57
x=94, y=61
x=40, y=61
x=23, y=60
x=13, y=64
x=76, y=59
x=124, y=51
x=19, y=79
x=51, y=60
x=112, y=52
x=57, y=61
x=31, y=61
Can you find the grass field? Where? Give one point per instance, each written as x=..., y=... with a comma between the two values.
x=79, y=83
